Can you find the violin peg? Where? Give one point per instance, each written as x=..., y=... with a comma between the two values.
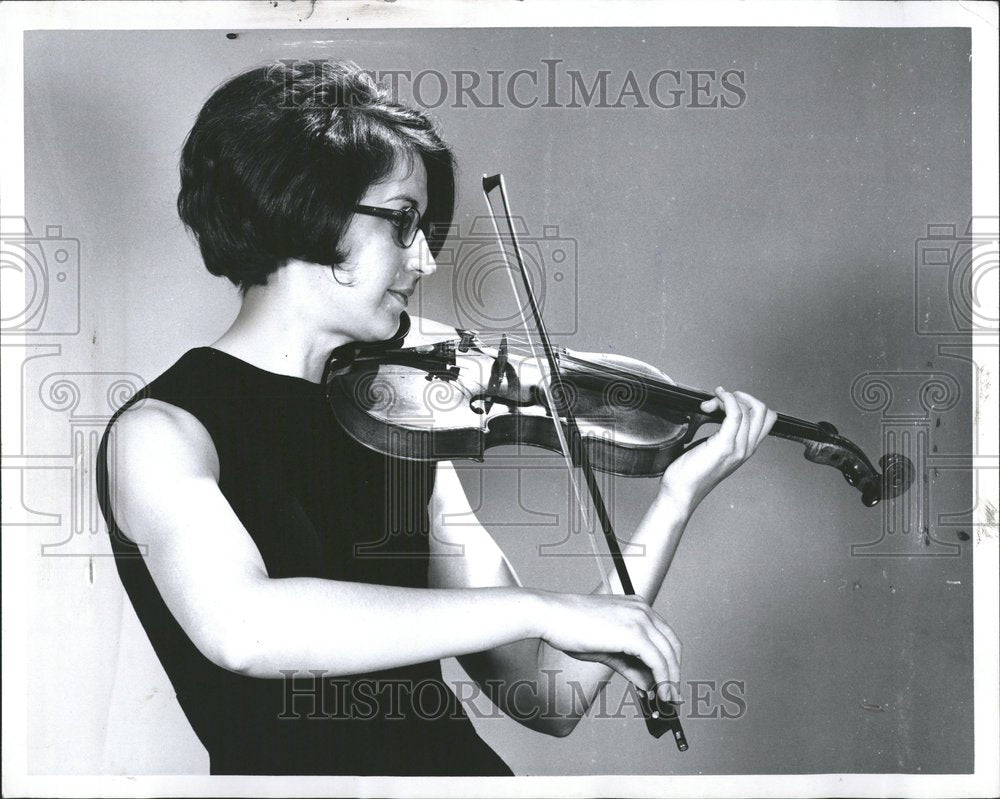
x=870, y=497
x=827, y=427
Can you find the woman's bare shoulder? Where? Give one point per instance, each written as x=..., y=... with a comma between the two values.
x=160, y=434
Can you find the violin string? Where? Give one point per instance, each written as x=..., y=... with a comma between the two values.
x=624, y=371
x=657, y=387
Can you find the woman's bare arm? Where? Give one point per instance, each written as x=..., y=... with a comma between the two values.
x=564, y=683
x=532, y=681
x=213, y=579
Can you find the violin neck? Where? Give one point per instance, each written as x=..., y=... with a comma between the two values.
x=800, y=430
x=688, y=400
x=787, y=427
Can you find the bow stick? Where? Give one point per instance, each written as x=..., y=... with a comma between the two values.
x=661, y=716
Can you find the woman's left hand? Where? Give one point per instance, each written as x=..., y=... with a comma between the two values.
x=691, y=477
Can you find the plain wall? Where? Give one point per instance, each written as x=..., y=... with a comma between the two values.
x=769, y=247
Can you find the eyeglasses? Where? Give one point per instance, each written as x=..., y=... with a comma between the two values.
x=406, y=221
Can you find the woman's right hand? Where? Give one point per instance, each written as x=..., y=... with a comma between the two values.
x=621, y=632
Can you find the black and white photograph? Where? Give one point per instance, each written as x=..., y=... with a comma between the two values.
x=500, y=399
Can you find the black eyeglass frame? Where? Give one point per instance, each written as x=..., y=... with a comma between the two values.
x=403, y=219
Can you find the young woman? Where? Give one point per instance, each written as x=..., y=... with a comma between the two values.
x=258, y=541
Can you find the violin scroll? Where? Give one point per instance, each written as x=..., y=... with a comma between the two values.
x=897, y=474
x=831, y=449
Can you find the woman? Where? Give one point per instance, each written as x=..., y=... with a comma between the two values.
x=259, y=543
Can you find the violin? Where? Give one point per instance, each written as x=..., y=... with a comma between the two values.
x=459, y=394
x=458, y=397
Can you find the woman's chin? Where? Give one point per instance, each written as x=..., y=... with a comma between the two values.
x=388, y=324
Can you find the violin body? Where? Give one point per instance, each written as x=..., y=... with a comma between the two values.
x=456, y=397
x=435, y=402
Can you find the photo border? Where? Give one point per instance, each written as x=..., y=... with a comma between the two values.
x=981, y=18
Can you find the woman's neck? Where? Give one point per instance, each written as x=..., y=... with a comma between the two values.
x=274, y=332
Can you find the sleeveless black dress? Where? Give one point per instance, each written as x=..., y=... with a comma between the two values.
x=317, y=504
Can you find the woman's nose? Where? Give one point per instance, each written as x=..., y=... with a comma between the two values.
x=419, y=258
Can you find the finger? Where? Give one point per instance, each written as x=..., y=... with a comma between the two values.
x=664, y=667
x=671, y=636
x=667, y=632
x=754, y=412
x=635, y=671
x=763, y=420
x=651, y=641
x=631, y=667
x=734, y=415
x=659, y=635
x=770, y=417
x=743, y=434
x=671, y=651
x=711, y=405
x=666, y=692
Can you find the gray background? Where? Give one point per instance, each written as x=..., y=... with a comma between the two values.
x=768, y=248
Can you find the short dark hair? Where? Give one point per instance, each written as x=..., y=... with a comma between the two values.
x=280, y=155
